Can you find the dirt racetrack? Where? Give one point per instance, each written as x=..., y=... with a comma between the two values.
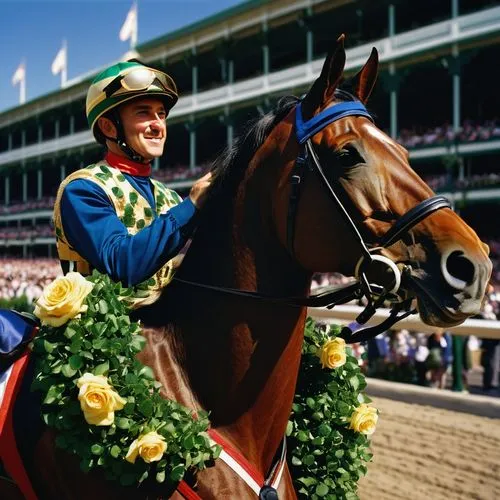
x=421, y=452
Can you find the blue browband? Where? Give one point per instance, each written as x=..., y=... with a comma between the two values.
x=306, y=130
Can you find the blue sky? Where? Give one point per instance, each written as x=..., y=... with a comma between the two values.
x=34, y=29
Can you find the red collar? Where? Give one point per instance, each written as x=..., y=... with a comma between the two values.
x=128, y=166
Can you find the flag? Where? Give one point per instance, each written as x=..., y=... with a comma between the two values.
x=129, y=28
x=19, y=75
x=60, y=62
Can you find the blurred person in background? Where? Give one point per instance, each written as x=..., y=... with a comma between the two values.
x=489, y=352
x=440, y=357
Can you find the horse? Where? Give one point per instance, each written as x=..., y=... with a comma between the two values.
x=237, y=355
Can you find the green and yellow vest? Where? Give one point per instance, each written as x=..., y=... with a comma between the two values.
x=131, y=208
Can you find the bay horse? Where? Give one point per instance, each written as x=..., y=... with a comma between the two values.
x=237, y=356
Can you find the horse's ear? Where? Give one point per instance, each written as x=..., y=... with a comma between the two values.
x=324, y=87
x=364, y=80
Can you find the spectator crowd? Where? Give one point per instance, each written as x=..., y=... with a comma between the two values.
x=471, y=131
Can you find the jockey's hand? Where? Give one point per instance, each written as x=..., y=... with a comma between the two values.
x=199, y=189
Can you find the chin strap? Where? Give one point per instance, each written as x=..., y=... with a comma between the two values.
x=120, y=139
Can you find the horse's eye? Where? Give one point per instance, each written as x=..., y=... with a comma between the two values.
x=348, y=156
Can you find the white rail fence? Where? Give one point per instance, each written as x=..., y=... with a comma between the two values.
x=482, y=328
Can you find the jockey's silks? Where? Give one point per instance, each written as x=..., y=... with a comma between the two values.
x=129, y=226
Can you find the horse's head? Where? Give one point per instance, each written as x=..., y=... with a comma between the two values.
x=446, y=265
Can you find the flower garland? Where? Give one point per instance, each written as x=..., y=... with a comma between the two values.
x=107, y=408
x=106, y=405
x=330, y=420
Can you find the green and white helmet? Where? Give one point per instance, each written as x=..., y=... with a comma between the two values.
x=123, y=82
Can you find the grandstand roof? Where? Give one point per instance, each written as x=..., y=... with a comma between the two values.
x=225, y=14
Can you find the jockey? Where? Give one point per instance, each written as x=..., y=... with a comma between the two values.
x=112, y=215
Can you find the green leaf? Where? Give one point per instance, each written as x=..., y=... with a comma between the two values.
x=97, y=449
x=103, y=307
x=76, y=362
x=322, y=490
x=147, y=372
x=69, y=332
x=68, y=371
x=115, y=451
x=146, y=407
x=302, y=436
x=48, y=346
x=177, y=473
x=354, y=382
x=102, y=369
x=138, y=343
x=122, y=423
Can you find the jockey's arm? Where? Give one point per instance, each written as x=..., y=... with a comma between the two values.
x=93, y=229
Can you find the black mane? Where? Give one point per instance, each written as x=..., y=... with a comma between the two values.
x=235, y=158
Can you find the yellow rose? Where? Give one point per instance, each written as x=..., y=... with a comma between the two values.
x=332, y=354
x=63, y=299
x=98, y=400
x=150, y=447
x=364, y=419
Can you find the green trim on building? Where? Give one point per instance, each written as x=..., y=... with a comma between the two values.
x=204, y=23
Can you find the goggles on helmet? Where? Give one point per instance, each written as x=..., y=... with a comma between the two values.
x=139, y=79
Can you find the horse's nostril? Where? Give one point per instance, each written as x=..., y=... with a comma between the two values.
x=458, y=270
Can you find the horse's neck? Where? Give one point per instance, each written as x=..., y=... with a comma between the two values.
x=238, y=357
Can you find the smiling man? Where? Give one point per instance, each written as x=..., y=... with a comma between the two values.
x=112, y=215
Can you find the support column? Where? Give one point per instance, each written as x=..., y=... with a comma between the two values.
x=228, y=122
x=71, y=124
x=458, y=362
x=63, y=172
x=265, y=48
x=40, y=133
x=191, y=128
x=156, y=163
x=455, y=69
x=391, y=81
x=56, y=129
x=454, y=9
x=230, y=71
x=39, y=183
x=25, y=186
x=9, y=143
x=309, y=35
x=7, y=190
x=393, y=101
x=392, y=19
x=194, y=70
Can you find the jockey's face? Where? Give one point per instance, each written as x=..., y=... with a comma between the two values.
x=144, y=125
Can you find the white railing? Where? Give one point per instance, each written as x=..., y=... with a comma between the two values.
x=64, y=143
x=483, y=328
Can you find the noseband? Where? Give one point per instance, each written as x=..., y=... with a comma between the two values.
x=374, y=293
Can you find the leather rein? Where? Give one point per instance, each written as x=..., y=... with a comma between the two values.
x=374, y=294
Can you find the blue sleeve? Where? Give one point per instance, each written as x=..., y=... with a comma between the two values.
x=94, y=230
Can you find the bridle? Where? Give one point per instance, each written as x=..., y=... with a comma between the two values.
x=374, y=294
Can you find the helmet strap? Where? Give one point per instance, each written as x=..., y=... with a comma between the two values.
x=120, y=139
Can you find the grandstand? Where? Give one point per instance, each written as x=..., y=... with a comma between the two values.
x=434, y=95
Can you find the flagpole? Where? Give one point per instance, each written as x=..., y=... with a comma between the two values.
x=22, y=84
x=133, y=38
x=64, y=72
x=22, y=90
